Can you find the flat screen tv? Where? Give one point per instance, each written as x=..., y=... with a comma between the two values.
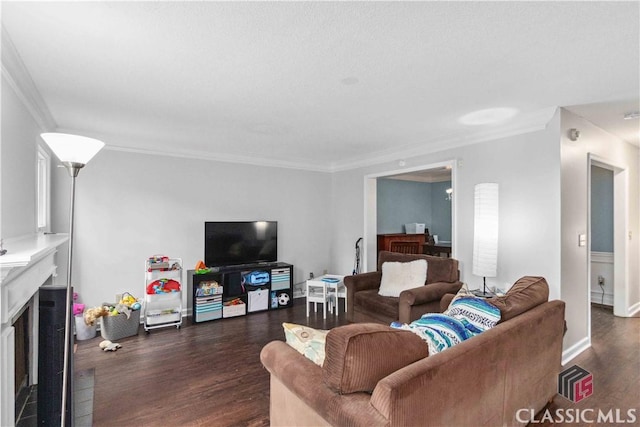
x=240, y=242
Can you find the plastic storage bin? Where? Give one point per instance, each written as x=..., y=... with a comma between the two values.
x=232, y=310
x=116, y=327
x=414, y=228
x=84, y=331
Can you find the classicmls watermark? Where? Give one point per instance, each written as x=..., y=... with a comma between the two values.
x=578, y=416
x=576, y=384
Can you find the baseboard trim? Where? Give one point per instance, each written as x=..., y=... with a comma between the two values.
x=575, y=350
x=596, y=296
x=634, y=309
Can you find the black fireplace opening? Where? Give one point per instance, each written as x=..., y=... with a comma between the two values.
x=22, y=334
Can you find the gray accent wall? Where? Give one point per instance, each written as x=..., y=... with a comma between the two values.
x=400, y=202
x=601, y=209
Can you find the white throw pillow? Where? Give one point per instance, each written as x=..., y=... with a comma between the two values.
x=400, y=276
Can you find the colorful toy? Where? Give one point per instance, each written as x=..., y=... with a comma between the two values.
x=92, y=314
x=162, y=286
x=128, y=300
x=201, y=268
x=77, y=307
x=283, y=299
x=158, y=262
x=256, y=278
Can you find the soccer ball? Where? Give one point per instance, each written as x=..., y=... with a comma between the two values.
x=283, y=299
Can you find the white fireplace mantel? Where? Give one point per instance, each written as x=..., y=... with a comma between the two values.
x=27, y=265
x=25, y=250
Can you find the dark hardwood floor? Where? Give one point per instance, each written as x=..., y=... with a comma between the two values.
x=614, y=361
x=205, y=374
x=210, y=373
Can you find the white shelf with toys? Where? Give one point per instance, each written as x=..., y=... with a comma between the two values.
x=163, y=292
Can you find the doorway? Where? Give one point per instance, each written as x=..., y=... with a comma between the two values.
x=601, y=232
x=371, y=204
x=619, y=224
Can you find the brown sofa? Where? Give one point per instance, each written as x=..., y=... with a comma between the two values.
x=374, y=375
x=365, y=305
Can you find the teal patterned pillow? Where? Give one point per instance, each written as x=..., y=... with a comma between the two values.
x=477, y=314
x=308, y=341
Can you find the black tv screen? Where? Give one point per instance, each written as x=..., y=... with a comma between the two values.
x=240, y=242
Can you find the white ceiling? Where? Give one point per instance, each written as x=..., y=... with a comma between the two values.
x=322, y=85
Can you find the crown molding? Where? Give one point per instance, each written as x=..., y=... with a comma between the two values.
x=225, y=158
x=529, y=123
x=532, y=122
x=18, y=77
x=198, y=155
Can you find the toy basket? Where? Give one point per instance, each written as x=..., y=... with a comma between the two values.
x=114, y=328
x=231, y=310
x=84, y=331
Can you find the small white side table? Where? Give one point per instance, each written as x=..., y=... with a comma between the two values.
x=326, y=292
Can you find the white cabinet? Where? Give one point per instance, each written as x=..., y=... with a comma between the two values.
x=163, y=292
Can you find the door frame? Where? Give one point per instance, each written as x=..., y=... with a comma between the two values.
x=620, y=241
x=370, y=255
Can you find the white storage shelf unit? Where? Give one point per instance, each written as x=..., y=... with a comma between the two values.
x=163, y=309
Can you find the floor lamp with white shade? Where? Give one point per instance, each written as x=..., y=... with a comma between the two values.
x=485, y=233
x=74, y=152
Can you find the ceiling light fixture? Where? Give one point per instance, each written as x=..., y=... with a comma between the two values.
x=488, y=116
x=630, y=116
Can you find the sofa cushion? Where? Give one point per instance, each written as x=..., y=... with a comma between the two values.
x=526, y=293
x=477, y=314
x=400, y=276
x=308, y=341
x=371, y=302
x=361, y=354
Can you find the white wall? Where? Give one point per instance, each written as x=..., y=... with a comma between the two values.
x=602, y=266
x=131, y=206
x=18, y=166
x=527, y=167
x=575, y=166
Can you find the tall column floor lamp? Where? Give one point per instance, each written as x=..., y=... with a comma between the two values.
x=74, y=152
x=485, y=234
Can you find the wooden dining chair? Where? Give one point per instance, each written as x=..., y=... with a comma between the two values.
x=405, y=247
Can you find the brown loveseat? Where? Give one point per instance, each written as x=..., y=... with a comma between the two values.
x=374, y=375
x=365, y=305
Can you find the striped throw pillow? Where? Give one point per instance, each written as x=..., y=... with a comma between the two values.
x=477, y=314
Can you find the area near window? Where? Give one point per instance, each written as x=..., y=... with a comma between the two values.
x=42, y=183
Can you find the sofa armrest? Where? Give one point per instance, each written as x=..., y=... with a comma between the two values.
x=299, y=379
x=360, y=282
x=446, y=301
x=295, y=371
x=427, y=294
